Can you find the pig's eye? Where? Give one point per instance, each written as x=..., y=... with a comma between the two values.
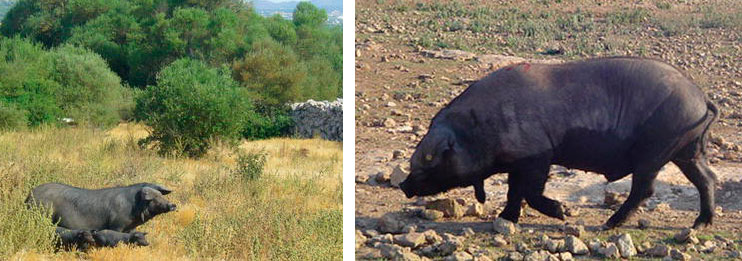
x=429, y=157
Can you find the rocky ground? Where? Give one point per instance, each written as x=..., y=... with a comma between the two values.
x=414, y=57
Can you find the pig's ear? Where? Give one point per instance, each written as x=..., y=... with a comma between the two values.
x=149, y=193
x=162, y=189
x=435, y=143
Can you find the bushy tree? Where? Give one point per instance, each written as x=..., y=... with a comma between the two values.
x=308, y=14
x=191, y=106
x=273, y=71
x=62, y=82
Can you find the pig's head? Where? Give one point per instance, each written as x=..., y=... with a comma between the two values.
x=443, y=161
x=84, y=240
x=139, y=238
x=153, y=203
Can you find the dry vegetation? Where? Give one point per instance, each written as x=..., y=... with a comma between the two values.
x=228, y=209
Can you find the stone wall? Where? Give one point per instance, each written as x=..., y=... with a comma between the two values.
x=318, y=118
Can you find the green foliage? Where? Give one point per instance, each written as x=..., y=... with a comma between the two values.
x=308, y=14
x=192, y=106
x=271, y=70
x=269, y=121
x=11, y=117
x=275, y=60
x=250, y=165
x=62, y=82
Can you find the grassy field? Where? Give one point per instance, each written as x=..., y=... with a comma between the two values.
x=227, y=207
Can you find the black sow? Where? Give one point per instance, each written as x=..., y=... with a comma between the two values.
x=615, y=116
x=119, y=208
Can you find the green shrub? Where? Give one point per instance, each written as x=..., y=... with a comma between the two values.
x=250, y=165
x=65, y=82
x=11, y=117
x=269, y=121
x=191, y=106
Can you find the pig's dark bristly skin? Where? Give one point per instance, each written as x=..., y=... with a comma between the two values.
x=110, y=238
x=79, y=239
x=616, y=116
x=119, y=209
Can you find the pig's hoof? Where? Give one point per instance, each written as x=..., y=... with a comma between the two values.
x=702, y=222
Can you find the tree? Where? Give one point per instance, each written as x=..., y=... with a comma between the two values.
x=191, y=106
x=308, y=14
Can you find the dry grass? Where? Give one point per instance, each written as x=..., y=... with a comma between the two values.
x=292, y=212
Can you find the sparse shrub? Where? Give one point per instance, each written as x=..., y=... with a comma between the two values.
x=11, y=117
x=628, y=16
x=23, y=227
x=191, y=106
x=250, y=165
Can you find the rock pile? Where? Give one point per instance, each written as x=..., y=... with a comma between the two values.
x=318, y=118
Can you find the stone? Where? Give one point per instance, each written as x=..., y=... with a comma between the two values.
x=685, y=235
x=610, y=251
x=432, y=237
x=360, y=239
x=708, y=247
x=541, y=255
x=391, y=104
x=659, y=250
x=429, y=251
x=514, y=256
x=565, y=256
x=389, y=123
x=573, y=229
x=383, y=177
x=641, y=248
x=360, y=178
x=612, y=198
x=572, y=212
x=467, y=232
x=643, y=223
x=449, y=247
x=499, y=241
x=398, y=154
x=595, y=245
x=368, y=253
x=371, y=233
x=522, y=247
x=475, y=210
x=390, y=223
x=625, y=245
x=382, y=238
x=449, y=207
x=398, y=175
x=318, y=118
x=431, y=214
x=459, y=256
x=505, y=227
x=554, y=245
x=575, y=246
x=661, y=207
x=409, y=228
x=678, y=255
x=412, y=240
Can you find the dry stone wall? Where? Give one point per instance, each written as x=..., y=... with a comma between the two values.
x=318, y=118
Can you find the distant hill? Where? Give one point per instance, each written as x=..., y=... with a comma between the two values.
x=264, y=5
